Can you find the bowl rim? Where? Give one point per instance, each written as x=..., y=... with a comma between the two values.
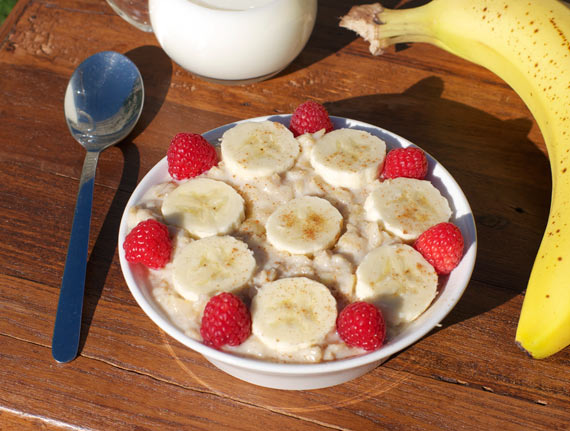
x=162, y=321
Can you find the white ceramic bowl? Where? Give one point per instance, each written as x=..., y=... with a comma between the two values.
x=312, y=376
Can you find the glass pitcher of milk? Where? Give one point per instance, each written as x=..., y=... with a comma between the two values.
x=230, y=41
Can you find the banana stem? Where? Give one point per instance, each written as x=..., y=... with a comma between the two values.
x=403, y=22
x=383, y=27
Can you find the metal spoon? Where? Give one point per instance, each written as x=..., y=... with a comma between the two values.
x=103, y=102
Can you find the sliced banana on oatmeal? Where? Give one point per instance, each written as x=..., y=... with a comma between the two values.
x=399, y=280
x=258, y=149
x=204, y=207
x=348, y=158
x=211, y=265
x=407, y=207
x=304, y=225
x=293, y=313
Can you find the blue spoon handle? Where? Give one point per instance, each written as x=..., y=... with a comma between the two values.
x=67, y=329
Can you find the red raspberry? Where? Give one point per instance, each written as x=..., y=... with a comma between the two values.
x=189, y=155
x=310, y=117
x=442, y=246
x=407, y=162
x=226, y=320
x=148, y=243
x=361, y=324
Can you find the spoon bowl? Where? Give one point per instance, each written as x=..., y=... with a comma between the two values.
x=103, y=102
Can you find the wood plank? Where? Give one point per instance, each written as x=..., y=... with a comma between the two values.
x=100, y=397
x=389, y=398
x=477, y=335
x=442, y=358
x=12, y=18
x=12, y=421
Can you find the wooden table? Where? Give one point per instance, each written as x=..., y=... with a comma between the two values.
x=468, y=374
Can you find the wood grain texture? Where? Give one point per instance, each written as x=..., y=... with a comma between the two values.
x=467, y=374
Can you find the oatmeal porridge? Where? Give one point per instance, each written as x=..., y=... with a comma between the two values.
x=312, y=210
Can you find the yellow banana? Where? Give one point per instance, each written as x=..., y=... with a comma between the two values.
x=527, y=44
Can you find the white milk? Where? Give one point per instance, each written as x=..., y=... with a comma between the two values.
x=233, y=39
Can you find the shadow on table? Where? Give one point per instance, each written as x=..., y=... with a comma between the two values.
x=105, y=245
x=320, y=45
x=156, y=71
x=483, y=154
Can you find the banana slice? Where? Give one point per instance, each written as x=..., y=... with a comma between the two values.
x=293, y=313
x=397, y=279
x=258, y=149
x=407, y=207
x=204, y=207
x=304, y=225
x=211, y=265
x=348, y=158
